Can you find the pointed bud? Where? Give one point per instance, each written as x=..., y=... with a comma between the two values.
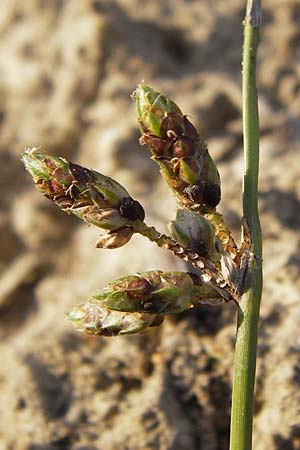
x=194, y=232
x=152, y=107
x=91, y=196
x=178, y=149
x=94, y=319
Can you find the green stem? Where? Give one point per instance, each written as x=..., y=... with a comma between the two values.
x=247, y=326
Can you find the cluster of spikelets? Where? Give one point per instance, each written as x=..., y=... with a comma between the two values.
x=198, y=234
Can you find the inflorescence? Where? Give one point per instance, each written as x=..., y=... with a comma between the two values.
x=198, y=234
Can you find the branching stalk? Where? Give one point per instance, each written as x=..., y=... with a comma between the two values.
x=247, y=326
x=208, y=271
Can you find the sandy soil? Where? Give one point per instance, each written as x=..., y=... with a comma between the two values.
x=66, y=71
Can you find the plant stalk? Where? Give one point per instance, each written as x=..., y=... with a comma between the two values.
x=208, y=272
x=248, y=315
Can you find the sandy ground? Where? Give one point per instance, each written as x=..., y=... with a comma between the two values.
x=67, y=69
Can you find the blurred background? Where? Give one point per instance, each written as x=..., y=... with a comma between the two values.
x=67, y=69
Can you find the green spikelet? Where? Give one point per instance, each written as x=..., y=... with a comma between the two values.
x=91, y=196
x=135, y=302
x=176, y=147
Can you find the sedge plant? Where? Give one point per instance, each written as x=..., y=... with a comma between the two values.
x=224, y=271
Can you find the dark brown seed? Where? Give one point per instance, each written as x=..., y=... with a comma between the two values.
x=184, y=146
x=174, y=123
x=196, y=279
x=131, y=209
x=141, y=284
x=62, y=176
x=212, y=195
x=194, y=192
x=199, y=248
x=50, y=164
x=157, y=321
x=190, y=130
x=158, y=145
x=106, y=332
x=80, y=174
x=55, y=187
x=152, y=306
